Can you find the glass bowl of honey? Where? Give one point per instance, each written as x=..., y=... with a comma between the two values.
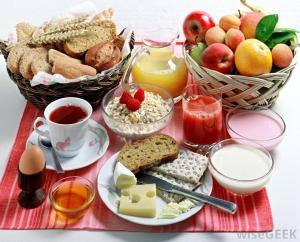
x=72, y=196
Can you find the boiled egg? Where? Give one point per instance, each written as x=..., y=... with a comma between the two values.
x=32, y=160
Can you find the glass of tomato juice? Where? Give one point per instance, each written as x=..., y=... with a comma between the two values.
x=202, y=116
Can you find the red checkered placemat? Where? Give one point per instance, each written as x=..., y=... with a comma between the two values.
x=254, y=212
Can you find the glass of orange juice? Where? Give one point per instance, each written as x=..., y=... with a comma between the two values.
x=158, y=64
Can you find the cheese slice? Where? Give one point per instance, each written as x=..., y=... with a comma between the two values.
x=139, y=200
x=123, y=177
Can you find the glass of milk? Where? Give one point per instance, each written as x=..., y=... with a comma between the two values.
x=240, y=165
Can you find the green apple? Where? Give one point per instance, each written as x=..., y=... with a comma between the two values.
x=197, y=51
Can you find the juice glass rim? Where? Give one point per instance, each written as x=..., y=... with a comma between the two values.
x=58, y=183
x=216, y=96
x=152, y=43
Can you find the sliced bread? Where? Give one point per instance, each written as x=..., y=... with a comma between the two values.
x=101, y=33
x=28, y=58
x=144, y=154
x=40, y=63
x=14, y=57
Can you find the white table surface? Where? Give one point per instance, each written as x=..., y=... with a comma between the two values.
x=144, y=15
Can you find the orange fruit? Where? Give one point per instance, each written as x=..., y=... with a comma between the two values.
x=253, y=58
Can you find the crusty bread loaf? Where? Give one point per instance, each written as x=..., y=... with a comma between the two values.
x=103, y=56
x=14, y=57
x=104, y=32
x=144, y=154
x=71, y=69
x=24, y=31
x=54, y=54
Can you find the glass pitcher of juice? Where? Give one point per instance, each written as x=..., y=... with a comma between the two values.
x=157, y=63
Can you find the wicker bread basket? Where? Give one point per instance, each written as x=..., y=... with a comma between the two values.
x=90, y=90
x=240, y=90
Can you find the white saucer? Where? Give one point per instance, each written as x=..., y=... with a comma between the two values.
x=109, y=196
x=95, y=146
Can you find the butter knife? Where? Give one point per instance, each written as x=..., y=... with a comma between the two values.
x=224, y=205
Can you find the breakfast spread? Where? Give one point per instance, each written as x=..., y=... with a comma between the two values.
x=243, y=43
x=58, y=47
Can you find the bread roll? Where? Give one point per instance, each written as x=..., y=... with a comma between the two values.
x=54, y=54
x=103, y=56
x=71, y=69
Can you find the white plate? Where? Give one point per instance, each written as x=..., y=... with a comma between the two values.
x=107, y=192
x=95, y=146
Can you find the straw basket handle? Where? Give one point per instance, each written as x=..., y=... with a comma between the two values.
x=125, y=78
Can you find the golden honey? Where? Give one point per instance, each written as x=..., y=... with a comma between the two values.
x=72, y=196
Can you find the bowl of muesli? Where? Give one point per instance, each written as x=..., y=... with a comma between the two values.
x=138, y=111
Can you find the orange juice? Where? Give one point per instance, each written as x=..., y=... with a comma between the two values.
x=162, y=68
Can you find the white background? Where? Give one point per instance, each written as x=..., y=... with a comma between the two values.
x=145, y=15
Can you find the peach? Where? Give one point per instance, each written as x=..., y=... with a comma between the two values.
x=229, y=21
x=215, y=35
x=233, y=37
x=282, y=55
x=218, y=57
x=249, y=23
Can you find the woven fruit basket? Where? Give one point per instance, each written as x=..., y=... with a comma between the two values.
x=238, y=90
x=82, y=56
x=245, y=56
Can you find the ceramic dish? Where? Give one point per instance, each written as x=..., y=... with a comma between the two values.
x=95, y=146
x=109, y=196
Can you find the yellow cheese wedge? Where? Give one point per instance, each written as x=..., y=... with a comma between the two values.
x=139, y=200
x=123, y=177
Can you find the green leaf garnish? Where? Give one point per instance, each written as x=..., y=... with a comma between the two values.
x=266, y=26
x=279, y=37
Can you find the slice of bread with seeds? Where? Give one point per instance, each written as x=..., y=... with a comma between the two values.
x=144, y=154
x=105, y=31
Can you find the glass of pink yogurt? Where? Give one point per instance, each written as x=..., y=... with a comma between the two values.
x=261, y=125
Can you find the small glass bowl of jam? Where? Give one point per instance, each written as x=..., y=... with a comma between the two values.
x=72, y=196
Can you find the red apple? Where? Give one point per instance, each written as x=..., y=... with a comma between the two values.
x=195, y=26
x=218, y=57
